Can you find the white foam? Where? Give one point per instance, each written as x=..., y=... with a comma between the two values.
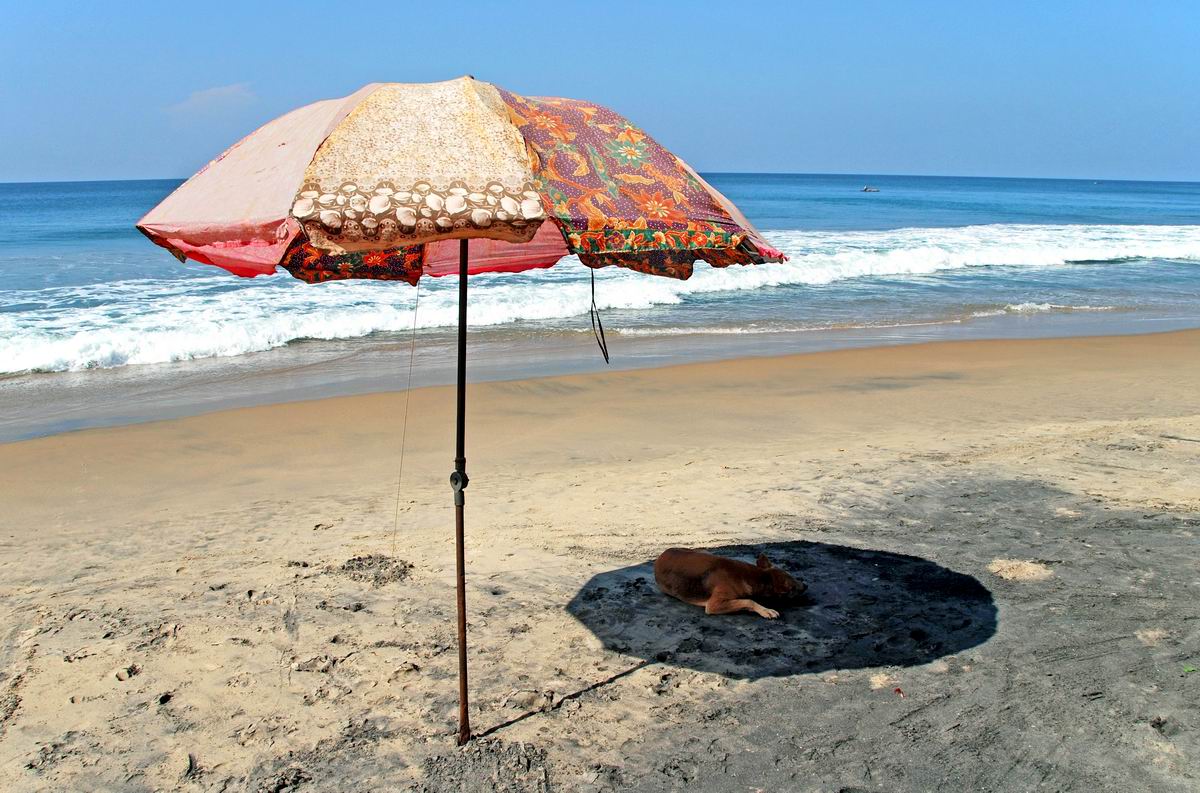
x=1037, y=308
x=739, y=330
x=175, y=319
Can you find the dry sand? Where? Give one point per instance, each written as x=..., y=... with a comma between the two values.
x=219, y=603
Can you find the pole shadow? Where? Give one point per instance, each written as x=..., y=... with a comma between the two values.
x=863, y=608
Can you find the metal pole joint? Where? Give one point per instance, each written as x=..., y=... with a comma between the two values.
x=458, y=483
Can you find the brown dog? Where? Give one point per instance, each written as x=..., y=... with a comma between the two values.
x=723, y=585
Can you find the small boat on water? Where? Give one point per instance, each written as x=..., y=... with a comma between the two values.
x=869, y=189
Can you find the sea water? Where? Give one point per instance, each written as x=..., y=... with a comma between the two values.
x=97, y=325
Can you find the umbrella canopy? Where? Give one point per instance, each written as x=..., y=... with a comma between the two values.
x=392, y=182
x=378, y=184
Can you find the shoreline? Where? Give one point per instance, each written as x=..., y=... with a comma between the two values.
x=246, y=592
x=47, y=404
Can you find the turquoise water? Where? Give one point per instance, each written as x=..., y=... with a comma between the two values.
x=83, y=290
x=98, y=325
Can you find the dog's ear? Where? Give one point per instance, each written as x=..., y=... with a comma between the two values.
x=763, y=562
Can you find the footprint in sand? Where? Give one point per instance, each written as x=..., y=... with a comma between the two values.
x=1151, y=636
x=1019, y=570
x=882, y=680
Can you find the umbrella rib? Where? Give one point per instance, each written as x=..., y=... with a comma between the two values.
x=412, y=348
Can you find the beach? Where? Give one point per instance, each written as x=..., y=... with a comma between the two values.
x=848, y=442
x=1000, y=541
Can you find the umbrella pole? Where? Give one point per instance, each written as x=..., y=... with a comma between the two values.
x=458, y=482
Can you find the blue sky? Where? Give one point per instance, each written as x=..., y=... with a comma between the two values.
x=1058, y=89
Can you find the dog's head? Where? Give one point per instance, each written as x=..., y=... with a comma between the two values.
x=780, y=585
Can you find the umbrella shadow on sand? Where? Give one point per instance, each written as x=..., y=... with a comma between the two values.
x=863, y=608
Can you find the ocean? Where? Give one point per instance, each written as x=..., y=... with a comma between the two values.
x=98, y=326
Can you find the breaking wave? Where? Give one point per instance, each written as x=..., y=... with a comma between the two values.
x=1037, y=308
x=174, y=319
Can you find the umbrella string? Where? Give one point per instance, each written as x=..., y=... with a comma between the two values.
x=412, y=348
x=597, y=325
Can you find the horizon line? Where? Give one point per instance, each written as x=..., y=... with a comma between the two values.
x=721, y=173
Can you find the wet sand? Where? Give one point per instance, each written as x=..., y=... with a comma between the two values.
x=1000, y=540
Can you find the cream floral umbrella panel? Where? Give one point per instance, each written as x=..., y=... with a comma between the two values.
x=413, y=163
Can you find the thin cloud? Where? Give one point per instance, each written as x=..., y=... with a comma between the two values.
x=212, y=101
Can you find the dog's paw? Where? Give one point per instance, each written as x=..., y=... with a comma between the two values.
x=768, y=614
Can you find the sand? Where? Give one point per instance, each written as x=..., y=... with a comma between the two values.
x=221, y=603
x=1020, y=570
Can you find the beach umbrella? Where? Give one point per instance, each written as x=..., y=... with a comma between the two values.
x=402, y=180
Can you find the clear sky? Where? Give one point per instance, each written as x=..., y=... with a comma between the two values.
x=124, y=90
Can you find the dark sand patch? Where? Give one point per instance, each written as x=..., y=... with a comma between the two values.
x=375, y=569
x=351, y=756
x=1084, y=685
x=487, y=766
